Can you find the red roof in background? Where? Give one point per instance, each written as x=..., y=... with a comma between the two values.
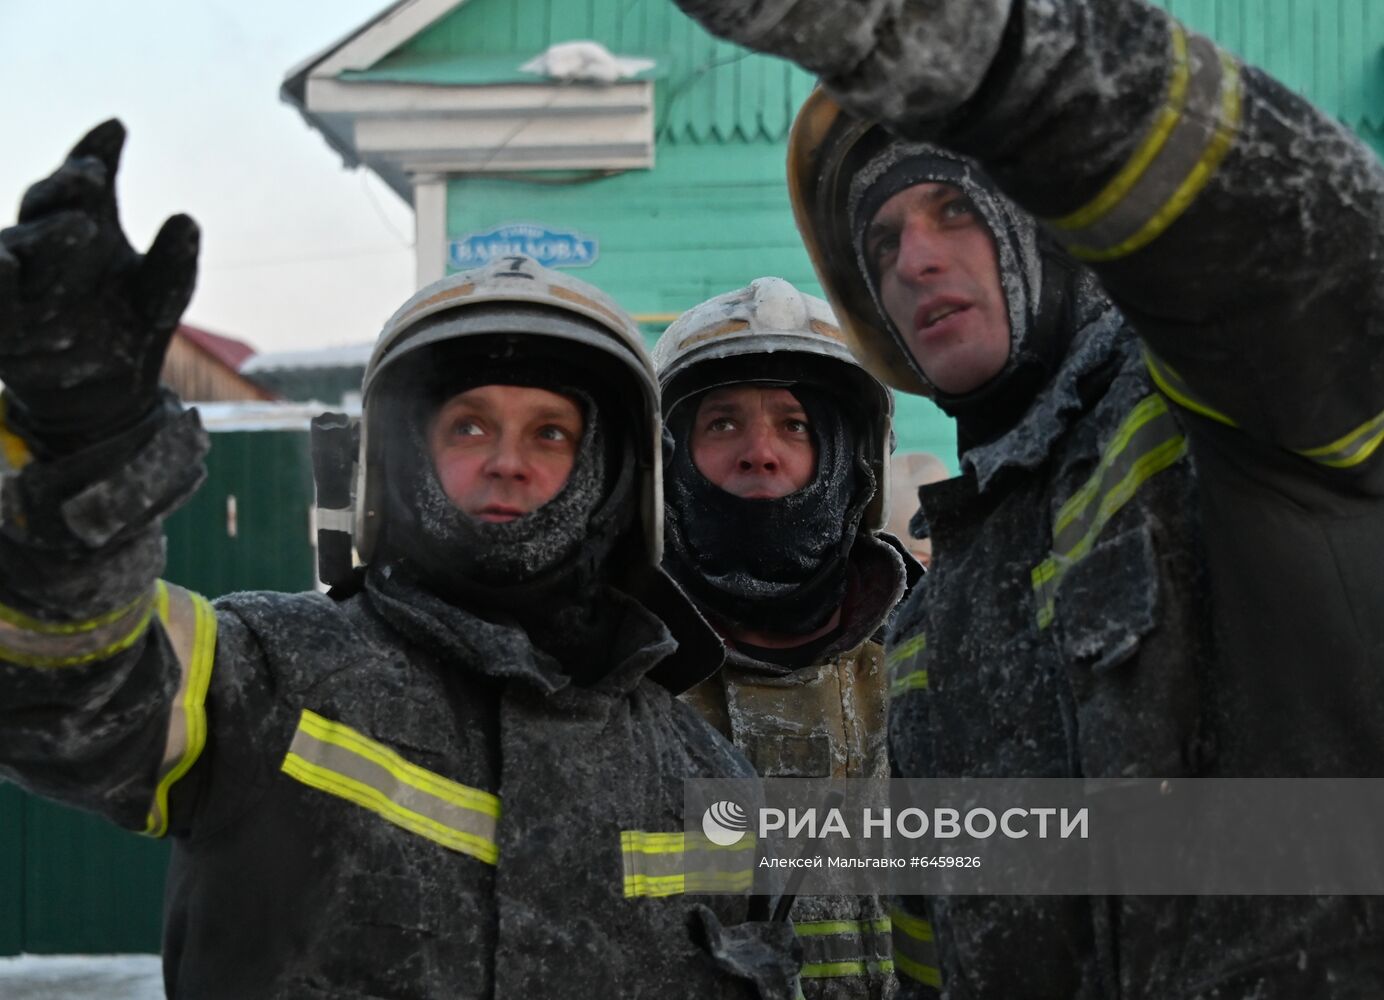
x=228, y=351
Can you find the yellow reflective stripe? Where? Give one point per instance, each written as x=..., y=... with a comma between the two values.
x=824, y=970
x=1148, y=465
x=925, y=974
x=812, y=928
x=13, y=450
x=642, y=842
x=914, y=681
x=74, y=644
x=914, y=934
x=20, y=620
x=1043, y=573
x=1153, y=143
x=669, y=864
x=676, y=885
x=1135, y=454
x=668, y=848
x=369, y=797
x=1196, y=180
x=834, y=948
x=1189, y=136
x=653, y=886
x=915, y=645
x=1145, y=468
x=914, y=927
x=186, y=742
x=1172, y=385
x=1352, y=448
x=1149, y=409
x=335, y=759
x=406, y=772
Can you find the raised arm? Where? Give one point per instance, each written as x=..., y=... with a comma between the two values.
x=103, y=667
x=1240, y=229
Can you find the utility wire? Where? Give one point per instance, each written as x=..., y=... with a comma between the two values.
x=404, y=241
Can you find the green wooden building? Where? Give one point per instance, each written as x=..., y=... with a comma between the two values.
x=665, y=186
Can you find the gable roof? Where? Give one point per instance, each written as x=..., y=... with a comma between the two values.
x=230, y=352
x=406, y=115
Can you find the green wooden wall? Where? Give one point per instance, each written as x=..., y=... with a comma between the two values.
x=1326, y=50
x=71, y=882
x=711, y=216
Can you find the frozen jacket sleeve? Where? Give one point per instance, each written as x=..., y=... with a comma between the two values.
x=1239, y=228
x=103, y=666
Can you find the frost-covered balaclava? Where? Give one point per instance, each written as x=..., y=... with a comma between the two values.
x=1030, y=270
x=554, y=551
x=777, y=565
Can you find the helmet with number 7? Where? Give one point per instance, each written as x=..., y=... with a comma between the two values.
x=513, y=322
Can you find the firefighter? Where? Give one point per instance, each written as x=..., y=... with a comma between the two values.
x=1162, y=558
x=458, y=775
x=775, y=502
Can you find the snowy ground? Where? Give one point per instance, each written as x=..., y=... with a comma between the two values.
x=81, y=977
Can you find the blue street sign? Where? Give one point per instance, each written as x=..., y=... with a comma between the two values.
x=551, y=248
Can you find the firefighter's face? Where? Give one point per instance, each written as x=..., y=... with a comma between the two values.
x=939, y=281
x=753, y=441
x=501, y=451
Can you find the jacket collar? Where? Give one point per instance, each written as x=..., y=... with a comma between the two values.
x=1029, y=442
x=671, y=645
x=879, y=571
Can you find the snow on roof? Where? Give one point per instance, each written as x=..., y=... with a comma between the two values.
x=266, y=416
x=346, y=355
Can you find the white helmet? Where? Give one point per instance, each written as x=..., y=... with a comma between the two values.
x=508, y=298
x=771, y=332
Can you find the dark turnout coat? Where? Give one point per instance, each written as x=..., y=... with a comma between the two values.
x=1172, y=565
x=386, y=796
x=826, y=720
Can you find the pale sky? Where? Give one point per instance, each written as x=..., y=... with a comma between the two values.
x=297, y=252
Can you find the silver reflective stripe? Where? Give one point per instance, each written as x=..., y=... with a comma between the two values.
x=1172, y=385
x=33, y=642
x=915, y=954
x=335, y=519
x=335, y=759
x=836, y=948
x=670, y=864
x=1353, y=448
x=1179, y=154
x=190, y=624
x=1147, y=428
x=1147, y=441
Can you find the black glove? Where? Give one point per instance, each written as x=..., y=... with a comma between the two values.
x=893, y=59
x=84, y=319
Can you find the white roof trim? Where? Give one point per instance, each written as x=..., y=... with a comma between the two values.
x=393, y=30
x=497, y=100
x=399, y=129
